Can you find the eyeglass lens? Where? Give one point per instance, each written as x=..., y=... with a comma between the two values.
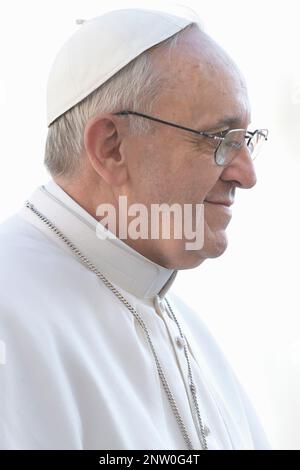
x=233, y=142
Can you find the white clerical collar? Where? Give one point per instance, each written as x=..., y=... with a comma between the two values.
x=120, y=263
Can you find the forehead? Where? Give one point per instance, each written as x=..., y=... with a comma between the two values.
x=204, y=82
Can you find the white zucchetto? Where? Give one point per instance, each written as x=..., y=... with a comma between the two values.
x=100, y=48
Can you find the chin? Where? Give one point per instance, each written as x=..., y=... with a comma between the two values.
x=187, y=259
x=174, y=255
x=215, y=246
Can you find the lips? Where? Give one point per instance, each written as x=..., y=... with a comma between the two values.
x=223, y=203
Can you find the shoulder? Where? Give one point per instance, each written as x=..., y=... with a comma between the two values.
x=28, y=257
x=39, y=280
x=20, y=241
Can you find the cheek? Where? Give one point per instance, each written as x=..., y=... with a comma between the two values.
x=170, y=174
x=149, y=179
x=155, y=173
x=197, y=178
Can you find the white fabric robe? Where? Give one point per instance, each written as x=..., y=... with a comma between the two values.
x=79, y=372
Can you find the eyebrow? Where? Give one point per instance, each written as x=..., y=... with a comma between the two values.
x=229, y=121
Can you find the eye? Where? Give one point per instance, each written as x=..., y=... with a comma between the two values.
x=234, y=144
x=221, y=134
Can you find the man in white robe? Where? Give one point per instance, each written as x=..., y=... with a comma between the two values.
x=79, y=372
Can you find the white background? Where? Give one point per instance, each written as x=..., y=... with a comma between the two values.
x=249, y=296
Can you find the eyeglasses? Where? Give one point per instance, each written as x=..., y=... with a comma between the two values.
x=229, y=142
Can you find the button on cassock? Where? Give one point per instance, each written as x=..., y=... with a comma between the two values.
x=180, y=342
x=159, y=305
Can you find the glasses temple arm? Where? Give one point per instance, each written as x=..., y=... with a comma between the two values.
x=124, y=113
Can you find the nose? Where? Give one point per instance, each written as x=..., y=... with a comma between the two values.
x=241, y=170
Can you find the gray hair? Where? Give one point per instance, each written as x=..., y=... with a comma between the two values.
x=136, y=86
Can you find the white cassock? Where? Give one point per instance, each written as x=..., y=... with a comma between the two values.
x=79, y=372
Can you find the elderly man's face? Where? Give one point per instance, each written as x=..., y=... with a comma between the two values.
x=205, y=91
x=175, y=166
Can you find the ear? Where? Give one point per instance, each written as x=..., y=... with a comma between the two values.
x=102, y=141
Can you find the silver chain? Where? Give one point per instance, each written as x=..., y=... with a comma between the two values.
x=203, y=429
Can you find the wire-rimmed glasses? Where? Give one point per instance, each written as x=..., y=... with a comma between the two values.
x=229, y=143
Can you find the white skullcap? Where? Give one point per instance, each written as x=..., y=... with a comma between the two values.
x=100, y=48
